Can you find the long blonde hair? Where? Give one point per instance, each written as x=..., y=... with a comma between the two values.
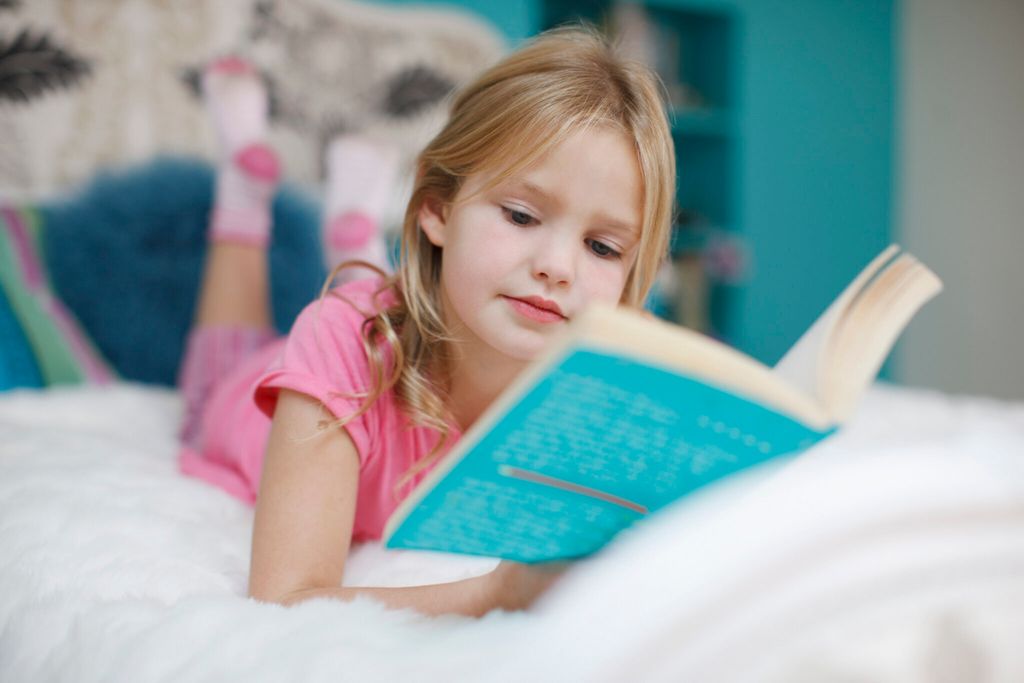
x=560, y=82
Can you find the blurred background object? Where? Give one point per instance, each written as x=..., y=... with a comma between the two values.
x=961, y=190
x=115, y=82
x=810, y=134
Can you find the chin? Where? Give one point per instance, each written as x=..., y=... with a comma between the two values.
x=523, y=347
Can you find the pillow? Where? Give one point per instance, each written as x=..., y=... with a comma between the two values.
x=89, y=98
x=41, y=343
x=125, y=254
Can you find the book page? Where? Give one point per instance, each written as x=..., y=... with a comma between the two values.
x=876, y=320
x=802, y=365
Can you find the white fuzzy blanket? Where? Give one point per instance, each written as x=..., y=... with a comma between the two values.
x=893, y=552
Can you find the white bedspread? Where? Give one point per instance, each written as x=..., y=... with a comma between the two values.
x=893, y=552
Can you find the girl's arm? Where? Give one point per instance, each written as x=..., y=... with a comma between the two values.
x=303, y=527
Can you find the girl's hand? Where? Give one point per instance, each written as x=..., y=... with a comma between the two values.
x=516, y=586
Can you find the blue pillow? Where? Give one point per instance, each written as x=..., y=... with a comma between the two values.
x=125, y=254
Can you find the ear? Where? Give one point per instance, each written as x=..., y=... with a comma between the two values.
x=432, y=220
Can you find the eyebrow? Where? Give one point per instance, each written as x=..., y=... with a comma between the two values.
x=531, y=188
x=605, y=220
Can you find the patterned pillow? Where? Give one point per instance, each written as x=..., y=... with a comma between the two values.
x=41, y=343
x=79, y=98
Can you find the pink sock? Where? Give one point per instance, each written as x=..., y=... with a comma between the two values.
x=361, y=176
x=247, y=175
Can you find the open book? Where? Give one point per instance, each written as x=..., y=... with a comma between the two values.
x=626, y=414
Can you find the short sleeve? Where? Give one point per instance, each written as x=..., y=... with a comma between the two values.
x=323, y=357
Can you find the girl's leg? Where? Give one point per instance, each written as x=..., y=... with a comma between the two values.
x=234, y=289
x=233, y=315
x=361, y=178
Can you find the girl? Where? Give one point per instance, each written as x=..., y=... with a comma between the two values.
x=549, y=188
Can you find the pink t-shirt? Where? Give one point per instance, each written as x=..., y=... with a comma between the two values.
x=322, y=357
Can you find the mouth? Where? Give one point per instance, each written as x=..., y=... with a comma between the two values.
x=537, y=309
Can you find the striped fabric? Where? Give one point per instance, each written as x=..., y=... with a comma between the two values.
x=18, y=366
x=41, y=344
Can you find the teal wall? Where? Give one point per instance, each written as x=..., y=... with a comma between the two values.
x=816, y=107
x=517, y=19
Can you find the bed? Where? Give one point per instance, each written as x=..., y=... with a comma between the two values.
x=893, y=552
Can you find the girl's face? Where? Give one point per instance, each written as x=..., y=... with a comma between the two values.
x=522, y=259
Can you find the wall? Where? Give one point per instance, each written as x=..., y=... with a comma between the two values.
x=517, y=19
x=962, y=191
x=816, y=100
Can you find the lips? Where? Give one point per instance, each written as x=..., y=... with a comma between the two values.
x=537, y=308
x=543, y=304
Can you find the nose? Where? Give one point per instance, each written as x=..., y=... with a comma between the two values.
x=555, y=261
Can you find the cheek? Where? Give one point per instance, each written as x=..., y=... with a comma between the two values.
x=607, y=280
x=468, y=265
x=483, y=249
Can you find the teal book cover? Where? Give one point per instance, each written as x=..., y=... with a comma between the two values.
x=594, y=445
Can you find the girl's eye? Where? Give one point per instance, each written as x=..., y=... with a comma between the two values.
x=602, y=249
x=517, y=217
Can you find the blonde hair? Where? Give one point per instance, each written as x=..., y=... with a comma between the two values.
x=561, y=82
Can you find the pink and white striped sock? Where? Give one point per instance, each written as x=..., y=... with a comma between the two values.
x=361, y=177
x=248, y=172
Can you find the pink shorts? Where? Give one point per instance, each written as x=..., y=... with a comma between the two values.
x=224, y=434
